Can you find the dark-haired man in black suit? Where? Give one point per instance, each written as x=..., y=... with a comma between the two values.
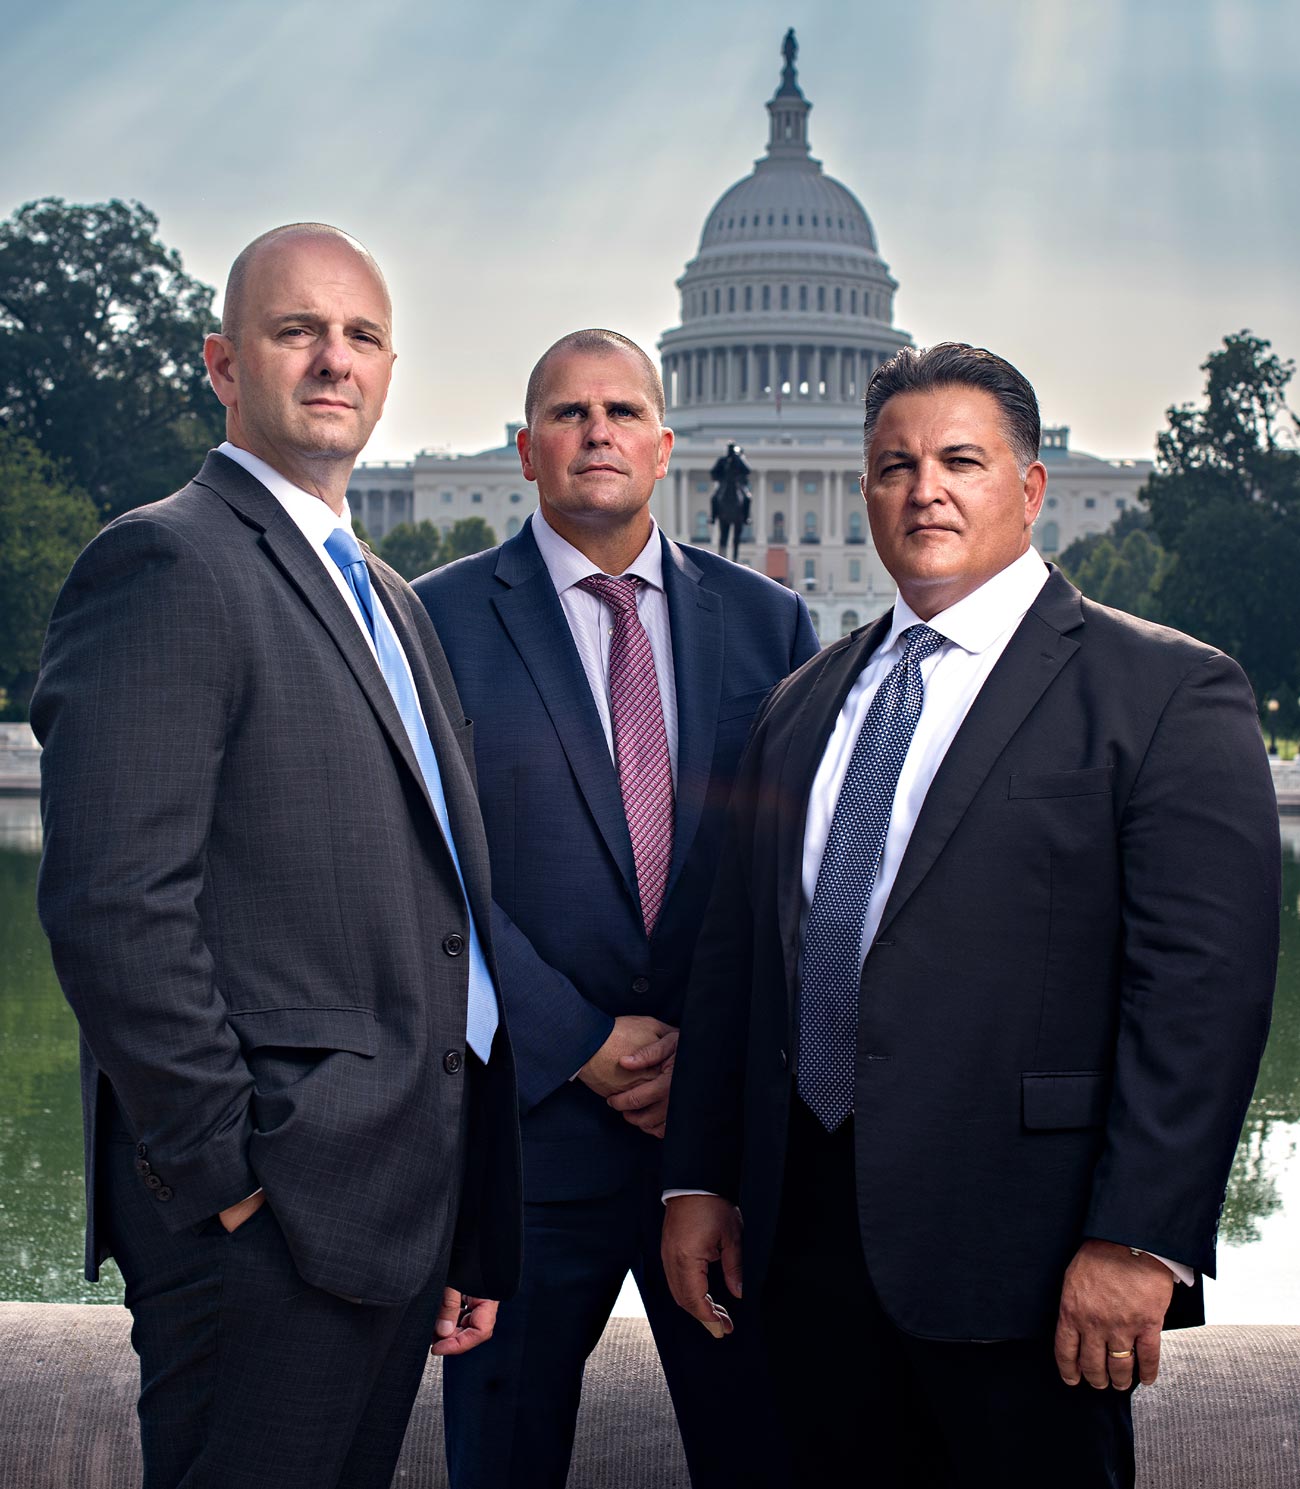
x=978, y=1006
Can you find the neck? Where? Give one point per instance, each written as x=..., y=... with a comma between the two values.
x=611, y=549
x=322, y=476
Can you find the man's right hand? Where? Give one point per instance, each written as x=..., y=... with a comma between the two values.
x=235, y=1216
x=699, y=1229
x=631, y=1032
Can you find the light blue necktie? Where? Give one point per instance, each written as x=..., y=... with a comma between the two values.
x=344, y=549
x=830, y=973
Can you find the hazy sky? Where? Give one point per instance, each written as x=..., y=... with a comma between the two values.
x=1098, y=190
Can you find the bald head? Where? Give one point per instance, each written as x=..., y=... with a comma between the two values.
x=242, y=270
x=599, y=341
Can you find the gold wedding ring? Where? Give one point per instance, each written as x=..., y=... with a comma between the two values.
x=1120, y=1354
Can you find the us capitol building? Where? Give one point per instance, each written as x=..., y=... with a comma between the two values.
x=786, y=310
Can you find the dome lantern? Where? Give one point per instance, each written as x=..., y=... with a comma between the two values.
x=788, y=108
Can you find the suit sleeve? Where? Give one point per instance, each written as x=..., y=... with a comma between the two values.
x=704, y=1141
x=1201, y=863
x=554, y=1030
x=805, y=642
x=132, y=709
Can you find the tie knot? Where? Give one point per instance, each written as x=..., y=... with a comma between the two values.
x=920, y=642
x=343, y=548
x=618, y=594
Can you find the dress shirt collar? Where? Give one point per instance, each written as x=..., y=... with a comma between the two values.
x=976, y=622
x=567, y=566
x=310, y=514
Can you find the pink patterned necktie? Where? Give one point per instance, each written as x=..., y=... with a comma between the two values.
x=640, y=742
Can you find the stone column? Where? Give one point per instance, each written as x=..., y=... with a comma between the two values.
x=751, y=372
x=829, y=525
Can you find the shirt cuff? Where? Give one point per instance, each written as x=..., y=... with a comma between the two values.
x=677, y=1193
x=1184, y=1274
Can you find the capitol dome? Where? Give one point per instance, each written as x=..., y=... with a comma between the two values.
x=787, y=307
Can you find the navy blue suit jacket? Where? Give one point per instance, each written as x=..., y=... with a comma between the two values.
x=570, y=943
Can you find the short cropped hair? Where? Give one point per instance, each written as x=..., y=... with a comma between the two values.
x=232, y=305
x=594, y=339
x=955, y=364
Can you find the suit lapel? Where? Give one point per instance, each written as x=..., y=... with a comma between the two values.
x=1033, y=658
x=807, y=736
x=696, y=619
x=531, y=612
x=301, y=565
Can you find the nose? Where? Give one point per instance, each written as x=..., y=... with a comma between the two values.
x=333, y=358
x=927, y=484
x=598, y=430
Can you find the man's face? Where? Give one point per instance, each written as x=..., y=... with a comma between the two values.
x=596, y=445
x=947, y=506
x=307, y=373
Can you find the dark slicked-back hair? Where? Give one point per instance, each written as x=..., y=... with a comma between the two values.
x=954, y=364
x=594, y=339
x=232, y=306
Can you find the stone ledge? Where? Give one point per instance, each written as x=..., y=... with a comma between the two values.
x=1224, y=1412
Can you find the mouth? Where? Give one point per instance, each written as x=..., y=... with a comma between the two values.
x=924, y=528
x=326, y=403
x=599, y=466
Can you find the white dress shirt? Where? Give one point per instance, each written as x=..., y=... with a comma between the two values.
x=977, y=631
x=591, y=621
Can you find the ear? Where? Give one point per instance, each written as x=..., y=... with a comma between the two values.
x=219, y=358
x=666, y=438
x=524, y=445
x=1035, y=485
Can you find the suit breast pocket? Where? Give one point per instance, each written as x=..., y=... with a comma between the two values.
x=1036, y=784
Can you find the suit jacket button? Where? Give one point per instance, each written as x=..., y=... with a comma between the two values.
x=640, y=986
x=141, y=1151
x=143, y=1166
x=454, y=944
x=153, y=1181
x=451, y=1062
x=162, y=1194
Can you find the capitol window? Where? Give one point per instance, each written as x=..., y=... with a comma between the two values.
x=717, y=301
x=749, y=297
x=767, y=297
x=839, y=299
x=821, y=297
x=476, y=496
x=515, y=498
x=855, y=573
x=778, y=527
x=731, y=298
x=803, y=297
x=814, y=219
x=853, y=302
x=1049, y=537
x=800, y=219
x=785, y=297
x=512, y=527
x=848, y=622
x=778, y=486
x=701, y=527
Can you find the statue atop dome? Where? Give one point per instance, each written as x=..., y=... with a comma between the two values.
x=789, y=78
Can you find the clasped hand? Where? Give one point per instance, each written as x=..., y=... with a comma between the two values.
x=633, y=1070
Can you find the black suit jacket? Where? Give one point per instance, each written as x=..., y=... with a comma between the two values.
x=1063, y=1010
x=248, y=898
x=570, y=939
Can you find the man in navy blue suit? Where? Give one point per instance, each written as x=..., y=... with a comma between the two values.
x=611, y=675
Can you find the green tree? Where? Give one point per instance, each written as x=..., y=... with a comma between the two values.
x=1132, y=519
x=468, y=535
x=44, y=524
x=1225, y=500
x=101, y=342
x=412, y=549
x=1123, y=572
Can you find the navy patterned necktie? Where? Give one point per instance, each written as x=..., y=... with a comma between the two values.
x=831, y=962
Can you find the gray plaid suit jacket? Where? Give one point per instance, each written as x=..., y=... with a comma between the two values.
x=251, y=908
